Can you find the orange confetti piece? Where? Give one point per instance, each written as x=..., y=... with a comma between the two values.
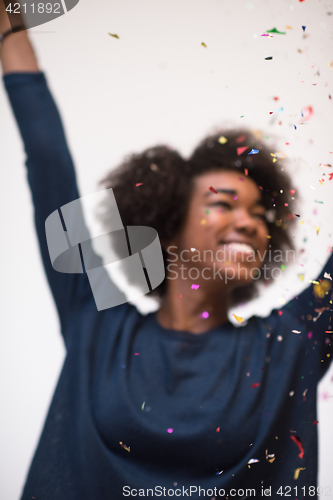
x=238, y=318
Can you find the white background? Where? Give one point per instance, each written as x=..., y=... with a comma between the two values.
x=158, y=84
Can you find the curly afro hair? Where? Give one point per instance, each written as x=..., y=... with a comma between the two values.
x=162, y=200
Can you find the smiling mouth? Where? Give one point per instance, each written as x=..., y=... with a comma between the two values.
x=243, y=248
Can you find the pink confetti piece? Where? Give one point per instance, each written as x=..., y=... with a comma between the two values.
x=241, y=150
x=170, y=431
x=195, y=287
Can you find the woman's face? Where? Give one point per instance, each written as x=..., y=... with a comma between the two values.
x=224, y=236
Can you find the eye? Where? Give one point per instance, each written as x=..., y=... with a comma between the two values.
x=261, y=217
x=224, y=204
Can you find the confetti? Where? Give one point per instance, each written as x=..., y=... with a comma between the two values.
x=127, y=448
x=247, y=172
x=138, y=184
x=212, y=189
x=253, y=152
x=297, y=471
x=253, y=461
x=204, y=45
x=222, y=139
x=218, y=429
x=114, y=36
x=269, y=58
x=296, y=331
x=195, y=287
x=303, y=28
x=307, y=112
x=321, y=289
x=255, y=385
x=298, y=442
x=274, y=30
x=241, y=150
x=143, y=405
x=241, y=138
x=170, y=431
x=205, y=314
x=238, y=318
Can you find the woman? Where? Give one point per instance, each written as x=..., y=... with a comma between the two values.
x=181, y=402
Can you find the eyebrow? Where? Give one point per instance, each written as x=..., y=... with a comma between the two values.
x=233, y=192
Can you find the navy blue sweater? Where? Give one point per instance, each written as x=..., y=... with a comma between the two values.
x=140, y=407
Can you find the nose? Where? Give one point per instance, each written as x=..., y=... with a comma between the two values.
x=244, y=222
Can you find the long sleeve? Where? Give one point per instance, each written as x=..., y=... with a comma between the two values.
x=312, y=309
x=50, y=173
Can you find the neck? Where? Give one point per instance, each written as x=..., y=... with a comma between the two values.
x=183, y=308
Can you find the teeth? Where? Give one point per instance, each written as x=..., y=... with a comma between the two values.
x=240, y=247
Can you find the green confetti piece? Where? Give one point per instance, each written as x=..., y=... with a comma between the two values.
x=316, y=201
x=143, y=405
x=269, y=58
x=274, y=30
x=283, y=267
x=114, y=36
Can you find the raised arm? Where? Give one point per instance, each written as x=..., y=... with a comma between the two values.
x=50, y=168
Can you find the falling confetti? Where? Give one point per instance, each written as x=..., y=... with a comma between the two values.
x=138, y=184
x=222, y=139
x=303, y=28
x=114, y=36
x=297, y=471
x=269, y=58
x=321, y=289
x=195, y=287
x=307, y=112
x=241, y=150
x=212, y=189
x=205, y=315
x=253, y=152
x=274, y=30
x=255, y=385
x=204, y=45
x=238, y=318
x=127, y=448
x=253, y=461
x=170, y=431
x=298, y=442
